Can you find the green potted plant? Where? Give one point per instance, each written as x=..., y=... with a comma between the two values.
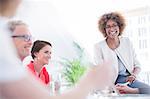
x=73, y=71
x=75, y=68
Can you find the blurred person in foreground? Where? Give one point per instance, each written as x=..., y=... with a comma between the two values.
x=16, y=83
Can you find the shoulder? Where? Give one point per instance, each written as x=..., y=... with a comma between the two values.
x=125, y=43
x=124, y=39
x=31, y=66
x=100, y=44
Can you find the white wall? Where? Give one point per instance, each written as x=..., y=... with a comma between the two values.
x=61, y=21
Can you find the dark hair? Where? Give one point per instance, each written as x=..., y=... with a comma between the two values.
x=37, y=46
x=117, y=17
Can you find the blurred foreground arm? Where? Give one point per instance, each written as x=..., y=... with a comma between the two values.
x=29, y=88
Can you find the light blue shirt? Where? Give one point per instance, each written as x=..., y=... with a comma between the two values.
x=122, y=69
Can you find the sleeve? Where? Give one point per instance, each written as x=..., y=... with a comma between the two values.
x=135, y=58
x=10, y=65
x=98, y=57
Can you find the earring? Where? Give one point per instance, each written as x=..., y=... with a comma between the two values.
x=37, y=58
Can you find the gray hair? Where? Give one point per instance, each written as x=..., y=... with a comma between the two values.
x=12, y=24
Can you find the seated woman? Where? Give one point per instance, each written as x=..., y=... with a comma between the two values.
x=41, y=53
x=120, y=51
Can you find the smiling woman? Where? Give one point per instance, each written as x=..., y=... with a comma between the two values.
x=120, y=51
x=41, y=53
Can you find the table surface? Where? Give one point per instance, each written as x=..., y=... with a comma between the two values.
x=123, y=96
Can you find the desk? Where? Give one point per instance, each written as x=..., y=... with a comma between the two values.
x=125, y=96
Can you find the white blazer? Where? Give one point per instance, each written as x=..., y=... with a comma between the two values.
x=125, y=52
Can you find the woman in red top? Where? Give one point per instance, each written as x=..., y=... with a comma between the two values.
x=41, y=53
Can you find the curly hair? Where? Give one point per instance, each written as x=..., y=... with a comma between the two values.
x=117, y=17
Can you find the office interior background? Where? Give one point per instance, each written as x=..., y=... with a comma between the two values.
x=63, y=22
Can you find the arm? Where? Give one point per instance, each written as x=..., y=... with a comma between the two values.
x=136, y=70
x=26, y=88
x=30, y=88
x=98, y=57
x=133, y=75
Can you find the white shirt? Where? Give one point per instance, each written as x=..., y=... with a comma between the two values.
x=10, y=65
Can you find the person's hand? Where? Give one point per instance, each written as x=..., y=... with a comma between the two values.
x=124, y=89
x=131, y=78
x=120, y=89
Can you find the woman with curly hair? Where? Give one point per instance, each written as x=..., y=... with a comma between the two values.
x=120, y=52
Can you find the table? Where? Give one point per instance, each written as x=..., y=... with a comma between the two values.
x=123, y=96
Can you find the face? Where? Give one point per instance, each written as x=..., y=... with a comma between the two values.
x=23, y=40
x=112, y=29
x=44, y=54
